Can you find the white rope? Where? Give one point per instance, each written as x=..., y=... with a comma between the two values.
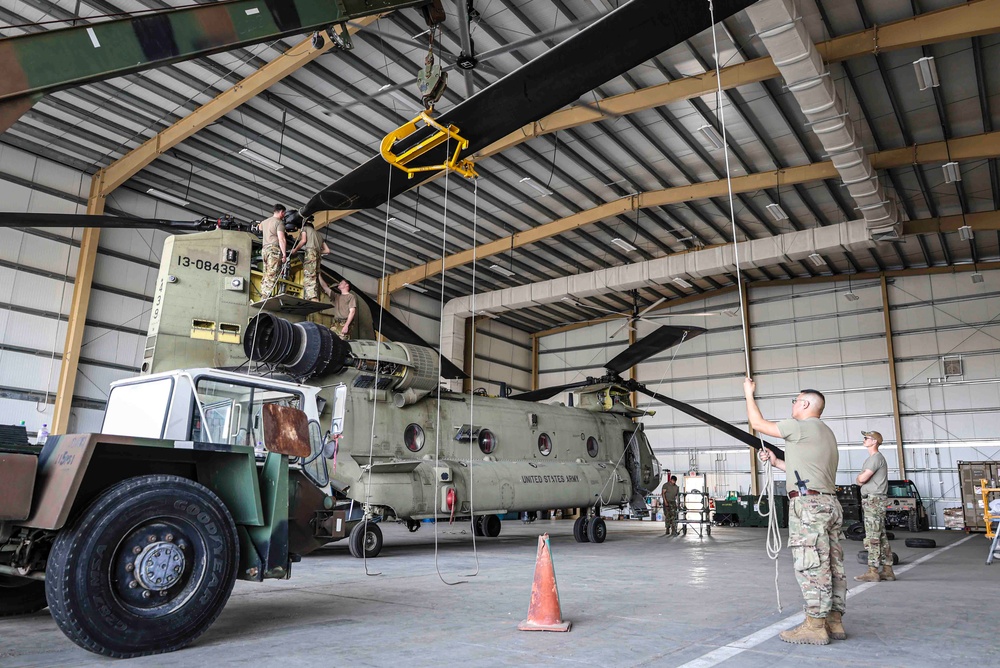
x=773, y=541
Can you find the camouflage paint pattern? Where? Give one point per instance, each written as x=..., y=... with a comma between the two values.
x=876, y=541
x=814, y=529
x=670, y=517
x=310, y=283
x=42, y=62
x=272, y=264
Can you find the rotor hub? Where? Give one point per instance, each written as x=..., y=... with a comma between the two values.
x=159, y=566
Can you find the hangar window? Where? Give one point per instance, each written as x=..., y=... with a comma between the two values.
x=592, y=448
x=544, y=444
x=413, y=436
x=487, y=441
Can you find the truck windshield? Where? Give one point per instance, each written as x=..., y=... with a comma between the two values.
x=139, y=409
x=232, y=411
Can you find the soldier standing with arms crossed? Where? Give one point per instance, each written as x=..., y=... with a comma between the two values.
x=669, y=493
x=815, y=515
x=874, y=481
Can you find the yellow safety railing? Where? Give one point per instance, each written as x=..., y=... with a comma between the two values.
x=987, y=515
x=443, y=134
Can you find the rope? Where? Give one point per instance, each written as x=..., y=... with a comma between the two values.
x=773, y=540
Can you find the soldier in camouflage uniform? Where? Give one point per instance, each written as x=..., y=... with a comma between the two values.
x=670, y=493
x=815, y=516
x=275, y=252
x=874, y=481
x=312, y=247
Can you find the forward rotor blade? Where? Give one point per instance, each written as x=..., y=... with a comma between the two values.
x=84, y=220
x=651, y=344
x=710, y=420
x=549, y=392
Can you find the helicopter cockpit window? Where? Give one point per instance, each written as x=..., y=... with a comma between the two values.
x=592, y=447
x=544, y=444
x=487, y=441
x=233, y=412
x=413, y=437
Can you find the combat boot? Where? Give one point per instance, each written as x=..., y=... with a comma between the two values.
x=871, y=576
x=886, y=573
x=810, y=632
x=835, y=625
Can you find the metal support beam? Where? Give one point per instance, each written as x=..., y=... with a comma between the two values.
x=975, y=147
x=897, y=423
x=78, y=312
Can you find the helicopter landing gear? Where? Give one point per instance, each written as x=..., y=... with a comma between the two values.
x=597, y=530
x=580, y=533
x=491, y=526
x=412, y=525
x=365, y=540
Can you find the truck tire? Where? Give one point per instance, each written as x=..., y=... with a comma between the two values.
x=913, y=522
x=856, y=531
x=365, y=540
x=921, y=542
x=165, y=552
x=21, y=596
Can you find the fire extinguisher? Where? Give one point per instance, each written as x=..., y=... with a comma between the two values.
x=450, y=502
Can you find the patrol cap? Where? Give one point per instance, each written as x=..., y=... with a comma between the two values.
x=874, y=434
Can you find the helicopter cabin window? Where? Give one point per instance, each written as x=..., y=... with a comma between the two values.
x=592, y=447
x=487, y=441
x=544, y=444
x=413, y=437
x=232, y=412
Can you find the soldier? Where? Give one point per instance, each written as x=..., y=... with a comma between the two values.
x=815, y=515
x=309, y=241
x=275, y=251
x=345, y=308
x=874, y=481
x=670, y=492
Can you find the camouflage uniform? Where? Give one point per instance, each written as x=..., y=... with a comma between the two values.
x=272, y=264
x=310, y=264
x=670, y=517
x=814, y=528
x=876, y=542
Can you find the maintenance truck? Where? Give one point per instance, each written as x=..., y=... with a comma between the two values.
x=135, y=536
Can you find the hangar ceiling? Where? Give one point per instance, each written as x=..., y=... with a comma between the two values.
x=330, y=116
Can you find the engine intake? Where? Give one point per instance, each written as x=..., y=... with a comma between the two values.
x=303, y=349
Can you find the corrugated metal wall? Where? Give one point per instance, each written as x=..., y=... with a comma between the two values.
x=810, y=336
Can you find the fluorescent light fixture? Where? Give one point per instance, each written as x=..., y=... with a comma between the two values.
x=404, y=226
x=977, y=277
x=951, y=172
x=402, y=98
x=817, y=259
x=681, y=282
x=487, y=314
x=257, y=157
x=527, y=180
x=851, y=297
x=776, y=212
x=570, y=300
x=927, y=76
x=502, y=270
x=712, y=136
x=965, y=233
x=624, y=245
x=167, y=197
x=415, y=288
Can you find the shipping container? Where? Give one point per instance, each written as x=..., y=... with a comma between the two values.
x=971, y=474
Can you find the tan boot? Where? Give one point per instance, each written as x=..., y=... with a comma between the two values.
x=886, y=573
x=810, y=632
x=871, y=576
x=835, y=625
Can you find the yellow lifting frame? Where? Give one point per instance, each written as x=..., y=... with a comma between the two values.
x=443, y=134
x=987, y=515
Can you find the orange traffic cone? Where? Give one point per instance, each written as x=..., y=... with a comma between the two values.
x=543, y=611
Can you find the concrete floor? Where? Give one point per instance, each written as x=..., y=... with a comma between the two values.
x=639, y=599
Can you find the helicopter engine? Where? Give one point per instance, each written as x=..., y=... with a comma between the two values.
x=408, y=371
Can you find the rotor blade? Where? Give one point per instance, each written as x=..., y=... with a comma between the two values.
x=83, y=220
x=549, y=392
x=659, y=340
x=394, y=329
x=627, y=323
x=710, y=420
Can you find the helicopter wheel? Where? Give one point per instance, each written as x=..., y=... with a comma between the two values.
x=365, y=540
x=412, y=525
x=477, y=525
x=597, y=530
x=491, y=526
x=580, y=530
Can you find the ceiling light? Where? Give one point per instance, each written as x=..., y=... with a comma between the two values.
x=776, y=212
x=404, y=226
x=977, y=277
x=257, y=157
x=927, y=76
x=401, y=97
x=502, y=270
x=415, y=288
x=167, y=197
x=570, y=300
x=965, y=233
x=681, y=282
x=851, y=297
x=540, y=188
x=487, y=314
x=951, y=172
x=624, y=245
x=817, y=259
x=712, y=136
